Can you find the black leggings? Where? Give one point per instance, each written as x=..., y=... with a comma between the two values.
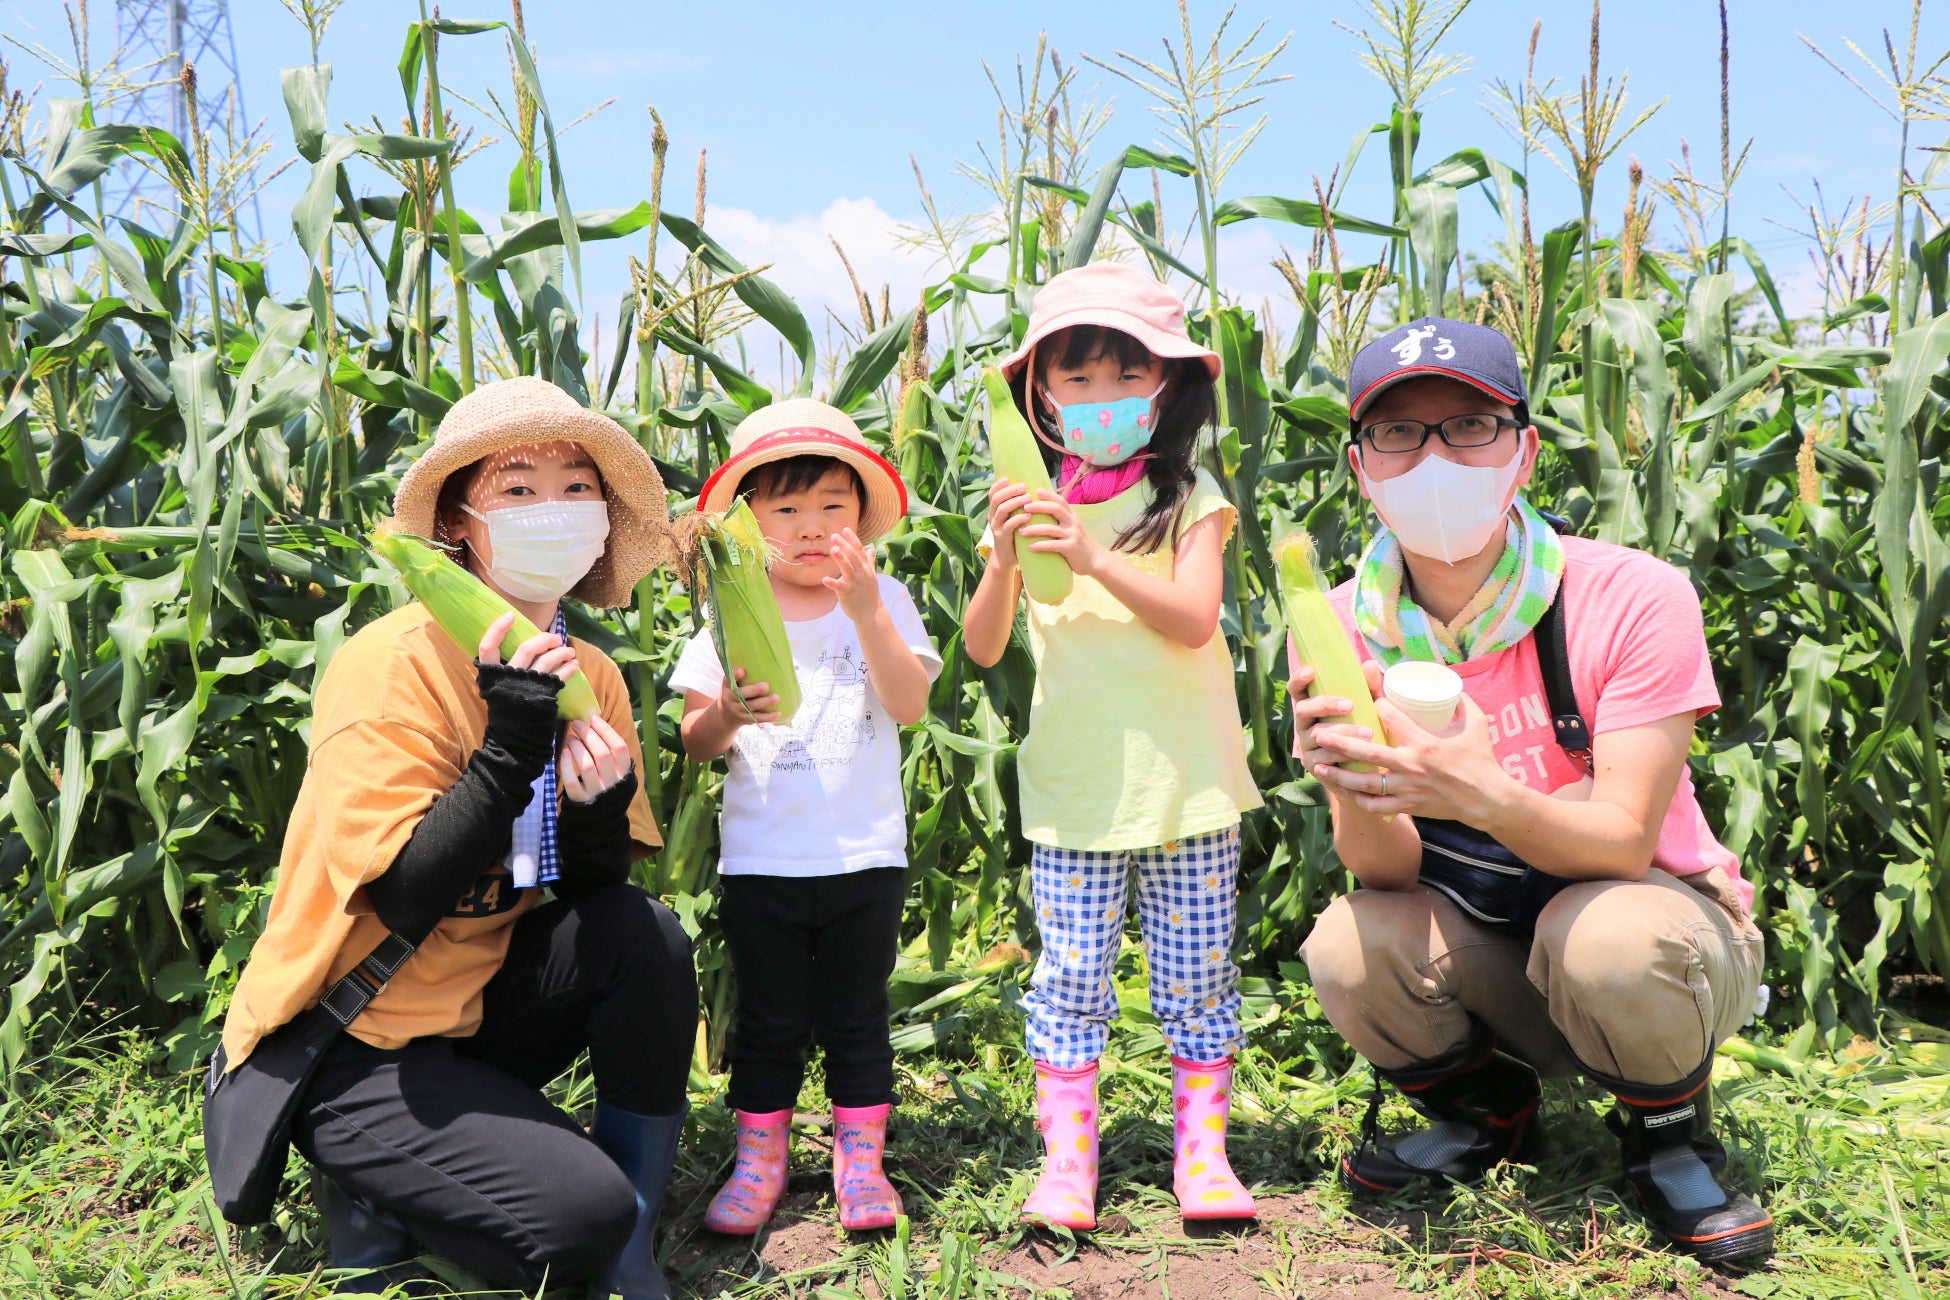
x=812, y=956
x=454, y=1134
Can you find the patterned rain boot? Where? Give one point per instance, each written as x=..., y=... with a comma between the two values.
x=1066, y=1115
x=1673, y=1162
x=747, y=1199
x=1201, y=1176
x=867, y=1200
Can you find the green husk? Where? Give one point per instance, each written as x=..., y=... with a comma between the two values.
x=1321, y=640
x=465, y=607
x=746, y=626
x=1019, y=458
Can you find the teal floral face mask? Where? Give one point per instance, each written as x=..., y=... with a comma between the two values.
x=1107, y=433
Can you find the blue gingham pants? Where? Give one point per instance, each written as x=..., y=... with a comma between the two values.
x=1187, y=899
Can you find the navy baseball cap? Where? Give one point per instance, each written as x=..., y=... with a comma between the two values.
x=1477, y=355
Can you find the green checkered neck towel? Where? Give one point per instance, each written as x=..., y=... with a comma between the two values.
x=1502, y=613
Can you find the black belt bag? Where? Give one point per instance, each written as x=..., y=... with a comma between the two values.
x=248, y=1112
x=1481, y=876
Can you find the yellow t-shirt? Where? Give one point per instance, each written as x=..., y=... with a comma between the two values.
x=394, y=723
x=1134, y=740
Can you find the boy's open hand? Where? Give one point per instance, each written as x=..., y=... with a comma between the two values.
x=858, y=584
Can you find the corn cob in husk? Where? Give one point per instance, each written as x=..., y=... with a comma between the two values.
x=465, y=608
x=729, y=556
x=1019, y=458
x=1321, y=640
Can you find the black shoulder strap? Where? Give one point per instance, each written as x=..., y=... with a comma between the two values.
x=1554, y=659
x=364, y=982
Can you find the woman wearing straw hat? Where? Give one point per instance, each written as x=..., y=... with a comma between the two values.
x=425, y=1122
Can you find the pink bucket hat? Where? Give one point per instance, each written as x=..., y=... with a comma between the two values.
x=1114, y=295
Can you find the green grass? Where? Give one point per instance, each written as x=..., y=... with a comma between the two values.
x=102, y=1192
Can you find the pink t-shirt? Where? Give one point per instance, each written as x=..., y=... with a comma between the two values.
x=1638, y=654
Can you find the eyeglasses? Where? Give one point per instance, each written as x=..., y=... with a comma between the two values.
x=1396, y=436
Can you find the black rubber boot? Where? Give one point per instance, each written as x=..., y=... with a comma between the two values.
x=1482, y=1104
x=644, y=1147
x=364, y=1237
x=1672, y=1164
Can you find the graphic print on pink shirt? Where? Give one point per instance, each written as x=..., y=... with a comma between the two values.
x=1638, y=654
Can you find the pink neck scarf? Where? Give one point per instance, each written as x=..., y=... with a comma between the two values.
x=1085, y=486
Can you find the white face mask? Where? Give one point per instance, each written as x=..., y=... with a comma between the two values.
x=542, y=550
x=1443, y=510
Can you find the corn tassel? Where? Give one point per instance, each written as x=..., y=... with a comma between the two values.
x=465, y=608
x=1321, y=640
x=746, y=626
x=1019, y=458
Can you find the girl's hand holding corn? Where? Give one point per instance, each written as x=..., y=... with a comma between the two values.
x=1006, y=518
x=1054, y=530
x=857, y=584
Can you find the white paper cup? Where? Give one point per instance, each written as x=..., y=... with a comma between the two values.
x=1428, y=693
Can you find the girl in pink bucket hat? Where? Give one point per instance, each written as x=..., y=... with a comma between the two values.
x=813, y=863
x=1135, y=757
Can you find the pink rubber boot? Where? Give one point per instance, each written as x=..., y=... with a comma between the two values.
x=1066, y=1115
x=1201, y=1176
x=757, y=1181
x=867, y=1200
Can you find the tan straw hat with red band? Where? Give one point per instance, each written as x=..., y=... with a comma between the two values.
x=516, y=412
x=801, y=426
x=1119, y=297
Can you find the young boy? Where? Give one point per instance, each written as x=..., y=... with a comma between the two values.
x=814, y=833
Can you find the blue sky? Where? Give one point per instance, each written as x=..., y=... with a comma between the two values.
x=810, y=111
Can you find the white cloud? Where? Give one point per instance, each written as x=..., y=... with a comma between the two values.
x=804, y=264
x=799, y=249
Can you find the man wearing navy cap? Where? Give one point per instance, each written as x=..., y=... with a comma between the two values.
x=1540, y=891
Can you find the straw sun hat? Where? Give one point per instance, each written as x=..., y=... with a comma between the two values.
x=801, y=426
x=515, y=412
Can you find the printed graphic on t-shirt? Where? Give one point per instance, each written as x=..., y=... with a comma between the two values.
x=820, y=795
x=493, y=893
x=833, y=726
x=1523, y=736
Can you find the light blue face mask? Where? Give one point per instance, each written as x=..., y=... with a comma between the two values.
x=1107, y=433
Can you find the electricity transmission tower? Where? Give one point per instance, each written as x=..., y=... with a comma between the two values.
x=163, y=35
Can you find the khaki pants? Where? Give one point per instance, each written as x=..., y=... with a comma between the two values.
x=1639, y=980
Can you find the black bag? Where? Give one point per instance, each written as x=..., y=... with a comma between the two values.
x=1477, y=873
x=248, y=1112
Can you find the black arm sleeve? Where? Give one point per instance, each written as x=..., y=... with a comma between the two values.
x=594, y=840
x=468, y=827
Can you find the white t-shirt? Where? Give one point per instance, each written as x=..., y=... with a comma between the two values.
x=821, y=795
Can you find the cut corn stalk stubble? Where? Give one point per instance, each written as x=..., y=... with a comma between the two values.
x=1320, y=639
x=465, y=607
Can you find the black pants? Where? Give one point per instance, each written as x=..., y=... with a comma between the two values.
x=812, y=956
x=454, y=1134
